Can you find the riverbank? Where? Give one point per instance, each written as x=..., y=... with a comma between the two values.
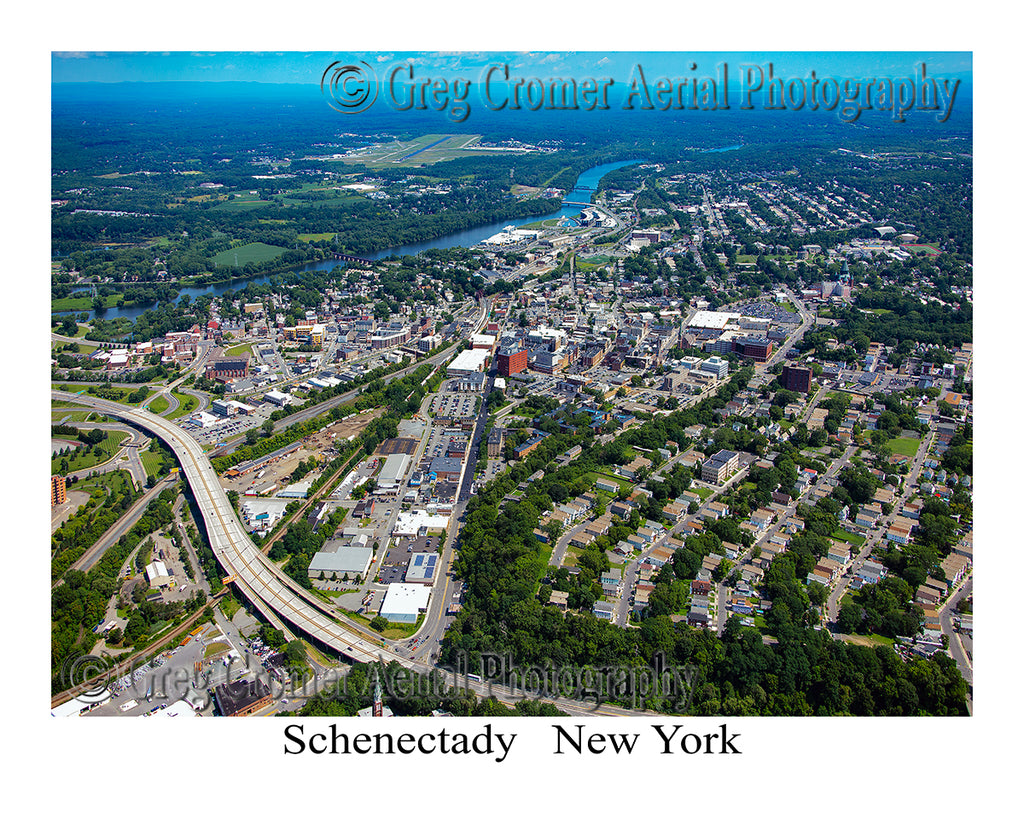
x=586, y=185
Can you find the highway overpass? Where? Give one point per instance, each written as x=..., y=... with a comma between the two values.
x=274, y=594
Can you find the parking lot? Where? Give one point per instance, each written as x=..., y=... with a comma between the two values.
x=455, y=407
x=226, y=428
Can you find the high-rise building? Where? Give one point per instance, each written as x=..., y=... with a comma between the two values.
x=58, y=490
x=511, y=360
x=797, y=379
x=755, y=347
x=718, y=367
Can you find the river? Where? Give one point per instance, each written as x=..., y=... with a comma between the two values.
x=585, y=187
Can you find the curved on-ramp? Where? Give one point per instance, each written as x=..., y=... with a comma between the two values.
x=270, y=590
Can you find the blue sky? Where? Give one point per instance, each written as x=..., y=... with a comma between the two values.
x=305, y=67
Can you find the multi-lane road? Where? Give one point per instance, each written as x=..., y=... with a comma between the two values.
x=276, y=596
x=282, y=601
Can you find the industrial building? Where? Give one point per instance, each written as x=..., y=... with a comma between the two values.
x=276, y=397
x=421, y=569
x=404, y=602
x=412, y=524
x=713, y=319
x=394, y=469
x=444, y=468
x=338, y=559
x=157, y=574
x=241, y=698
x=482, y=341
x=468, y=361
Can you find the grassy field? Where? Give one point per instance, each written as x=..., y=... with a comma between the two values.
x=186, y=405
x=905, y=446
x=84, y=349
x=238, y=349
x=870, y=640
x=543, y=223
x=159, y=404
x=119, y=394
x=64, y=416
x=929, y=249
x=83, y=303
x=848, y=537
x=702, y=491
x=79, y=333
x=524, y=411
x=315, y=237
x=620, y=481
x=79, y=459
x=214, y=649
x=243, y=202
x=151, y=462
x=252, y=252
x=394, y=631
x=229, y=605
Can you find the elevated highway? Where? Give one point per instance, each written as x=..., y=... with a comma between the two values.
x=274, y=594
x=282, y=601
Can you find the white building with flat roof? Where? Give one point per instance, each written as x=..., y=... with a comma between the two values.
x=482, y=341
x=276, y=397
x=468, y=361
x=410, y=523
x=394, y=469
x=403, y=602
x=712, y=319
x=338, y=559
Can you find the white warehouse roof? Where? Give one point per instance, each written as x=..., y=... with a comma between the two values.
x=713, y=319
x=394, y=469
x=403, y=602
x=470, y=361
